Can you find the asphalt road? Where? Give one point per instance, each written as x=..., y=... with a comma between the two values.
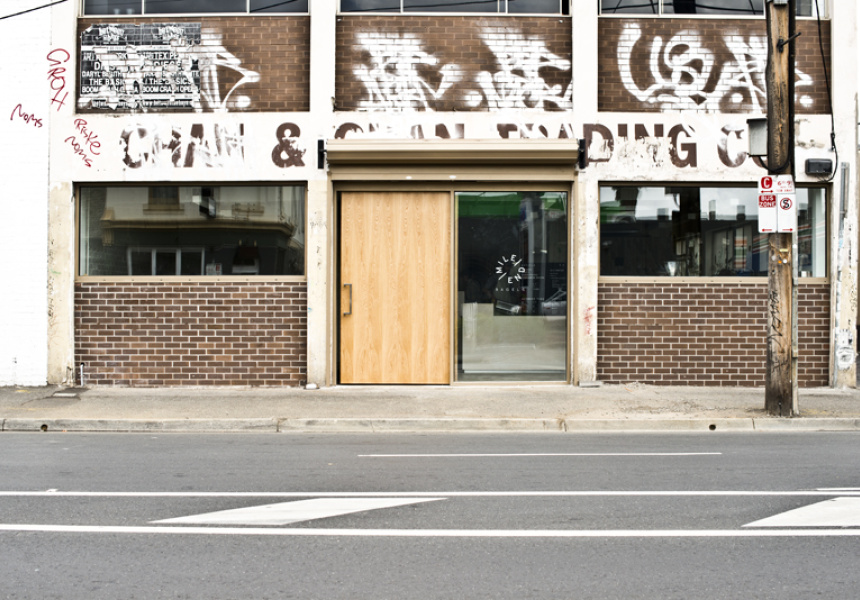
x=429, y=516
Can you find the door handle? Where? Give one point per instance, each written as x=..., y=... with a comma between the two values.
x=349, y=285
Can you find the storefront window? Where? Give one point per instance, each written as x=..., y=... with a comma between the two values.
x=192, y=230
x=695, y=7
x=551, y=7
x=150, y=7
x=699, y=231
x=512, y=286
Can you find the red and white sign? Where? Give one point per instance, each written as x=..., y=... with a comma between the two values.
x=786, y=219
x=767, y=216
x=765, y=185
x=767, y=211
x=784, y=184
x=777, y=204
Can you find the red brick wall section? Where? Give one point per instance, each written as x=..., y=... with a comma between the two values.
x=274, y=50
x=445, y=63
x=702, y=334
x=190, y=333
x=701, y=65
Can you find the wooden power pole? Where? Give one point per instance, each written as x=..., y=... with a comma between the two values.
x=781, y=380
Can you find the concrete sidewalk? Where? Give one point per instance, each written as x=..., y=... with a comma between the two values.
x=546, y=408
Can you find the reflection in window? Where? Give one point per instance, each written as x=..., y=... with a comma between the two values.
x=190, y=230
x=150, y=7
x=552, y=7
x=699, y=231
x=695, y=7
x=512, y=286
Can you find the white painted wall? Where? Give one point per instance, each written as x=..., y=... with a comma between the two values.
x=24, y=45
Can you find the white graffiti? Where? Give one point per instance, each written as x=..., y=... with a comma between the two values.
x=401, y=75
x=688, y=76
x=212, y=146
x=167, y=68
x=394, y=80
x=518, y=83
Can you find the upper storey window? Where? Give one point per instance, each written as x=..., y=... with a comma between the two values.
x=551, y=7
x=728, y=8
x=162, y=7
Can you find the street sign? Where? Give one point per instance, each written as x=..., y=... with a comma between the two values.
x=767, y=211
x=786, y=220
x=777, y=204
x=784, y=184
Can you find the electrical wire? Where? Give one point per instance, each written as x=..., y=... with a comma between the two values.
x=29, y=10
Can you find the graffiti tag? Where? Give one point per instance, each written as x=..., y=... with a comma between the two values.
x=57, y=76
x=684, y=74
x=519, y=84
x=18, y=111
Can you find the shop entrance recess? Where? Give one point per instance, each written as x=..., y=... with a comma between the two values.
x=395, y=280
x=452, y=260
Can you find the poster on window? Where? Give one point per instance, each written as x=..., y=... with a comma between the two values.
x=151, y=66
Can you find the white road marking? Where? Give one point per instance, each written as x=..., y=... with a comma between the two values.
x=836, y=512
x=499, y=494
x=577, y=454
x=439, y=533
x=285, y=513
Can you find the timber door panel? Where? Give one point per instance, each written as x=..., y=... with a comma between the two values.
x=395, y=275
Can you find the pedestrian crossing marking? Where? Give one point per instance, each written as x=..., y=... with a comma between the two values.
x=285, y=513
x=836, y=512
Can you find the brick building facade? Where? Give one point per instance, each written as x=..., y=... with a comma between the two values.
x=312, y=196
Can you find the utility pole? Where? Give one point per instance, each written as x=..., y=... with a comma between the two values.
x=781, y=378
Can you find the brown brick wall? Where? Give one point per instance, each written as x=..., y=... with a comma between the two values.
x=702, y=334
x=450, y=63
x=190, y=333
x=276, y=48
x=737, y=49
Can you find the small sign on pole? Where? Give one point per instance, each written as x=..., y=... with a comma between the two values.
x=777, y=204
x=786, y=199
x=786, y=219
x=767, y=211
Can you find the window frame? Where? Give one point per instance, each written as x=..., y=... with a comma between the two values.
x=710, y=279
x=143, y=279
x=143, y=13
x=823, y=6
x=561, y=13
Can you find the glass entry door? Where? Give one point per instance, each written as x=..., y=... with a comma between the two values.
x=512, y=265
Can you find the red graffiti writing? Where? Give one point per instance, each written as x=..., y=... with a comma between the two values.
x=57, y=76
x=18, y=111
x=90, y=138
x=79, y=150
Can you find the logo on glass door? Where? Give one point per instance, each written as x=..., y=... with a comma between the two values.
x=510, y=271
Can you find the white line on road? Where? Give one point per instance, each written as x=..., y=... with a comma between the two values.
x=285, y=513
x=541, y=454
x=835, y=512
x=380, y=494
x=437, y=533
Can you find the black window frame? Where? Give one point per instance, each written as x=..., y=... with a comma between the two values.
x=140, y=10
x=657, y=10
x=564, y=10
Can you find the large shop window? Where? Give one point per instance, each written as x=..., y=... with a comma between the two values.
x=726, y=8
x=192, y=230
x=550, y=7
x=162, y=7
x=699, y=231
x=512, y=286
